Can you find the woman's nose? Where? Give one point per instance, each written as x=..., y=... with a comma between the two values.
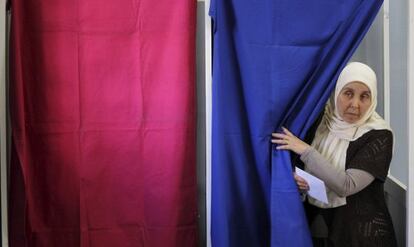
x=355, y=103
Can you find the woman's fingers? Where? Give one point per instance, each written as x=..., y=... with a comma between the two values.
x=283, y=147
x=304, y=187
x=279, y=138
x=301, y=183
x=299, y=179
x=287, y=131
x=288, y=141
x=279, y=135
x=278, y=141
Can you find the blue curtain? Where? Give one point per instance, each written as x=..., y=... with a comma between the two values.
x=275, y=63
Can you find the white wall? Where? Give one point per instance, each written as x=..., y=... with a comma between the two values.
x=371, y=52
x=410, y=92
x=398, y=87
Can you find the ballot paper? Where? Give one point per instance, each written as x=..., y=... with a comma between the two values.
x=317, y=189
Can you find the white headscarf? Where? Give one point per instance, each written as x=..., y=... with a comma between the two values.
x=333, y=135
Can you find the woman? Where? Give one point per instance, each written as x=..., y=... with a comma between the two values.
x=351, y=152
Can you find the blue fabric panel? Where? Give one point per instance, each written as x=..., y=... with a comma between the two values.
x=275, y=63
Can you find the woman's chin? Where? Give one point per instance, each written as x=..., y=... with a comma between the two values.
x=351, y=119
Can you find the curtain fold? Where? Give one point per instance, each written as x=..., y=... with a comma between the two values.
x=103, y=123
x=275, y=64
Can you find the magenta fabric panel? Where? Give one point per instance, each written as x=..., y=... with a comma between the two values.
x=103, y=118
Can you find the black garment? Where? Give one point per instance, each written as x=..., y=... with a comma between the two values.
x=364, y=221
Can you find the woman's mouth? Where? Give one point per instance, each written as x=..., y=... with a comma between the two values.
x=352, y=114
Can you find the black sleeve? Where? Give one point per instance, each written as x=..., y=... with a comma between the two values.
x=374, y=156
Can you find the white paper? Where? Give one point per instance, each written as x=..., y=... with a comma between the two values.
x=317, y=188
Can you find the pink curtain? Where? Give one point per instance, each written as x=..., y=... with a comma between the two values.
x=103, y=119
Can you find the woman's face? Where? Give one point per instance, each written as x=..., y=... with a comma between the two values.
x=353, y=101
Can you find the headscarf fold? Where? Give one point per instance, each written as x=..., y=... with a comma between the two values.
x=333, y=135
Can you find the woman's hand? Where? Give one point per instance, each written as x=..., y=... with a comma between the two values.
x=288, y=141
x=301, y=183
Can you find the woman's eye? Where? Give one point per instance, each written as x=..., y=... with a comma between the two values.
x=348, y=93
x=365, y=96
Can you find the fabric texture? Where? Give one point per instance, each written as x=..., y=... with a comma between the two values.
x=342, y=182
x=103, y=123
x=364, y=221
x=334, y=134
x=275, y=63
